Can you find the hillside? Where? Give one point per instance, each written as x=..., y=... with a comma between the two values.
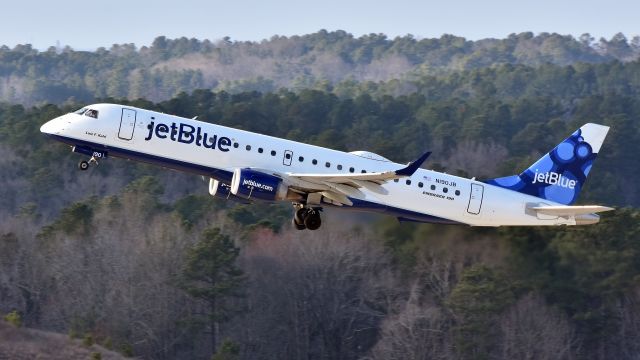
x=320, y=60
x=23, y=343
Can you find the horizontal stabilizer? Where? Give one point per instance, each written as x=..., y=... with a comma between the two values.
x=570, y=210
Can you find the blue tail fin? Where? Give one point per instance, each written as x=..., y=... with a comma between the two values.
x=560, y=175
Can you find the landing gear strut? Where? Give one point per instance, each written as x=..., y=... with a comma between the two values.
x=307, y=217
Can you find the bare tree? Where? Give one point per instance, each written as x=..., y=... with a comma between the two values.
x=530, y=329
x=314, y=295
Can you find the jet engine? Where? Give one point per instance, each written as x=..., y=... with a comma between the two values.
x=221, y=190
x=252, y=184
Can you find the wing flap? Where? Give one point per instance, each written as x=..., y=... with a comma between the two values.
x=337, y=197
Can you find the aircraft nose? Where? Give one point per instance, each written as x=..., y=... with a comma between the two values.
x=52, y=126
x=47, y=128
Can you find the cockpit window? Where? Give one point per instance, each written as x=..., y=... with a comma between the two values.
x=91, y=113
x=87, y=112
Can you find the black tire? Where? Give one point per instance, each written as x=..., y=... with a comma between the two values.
x=83, y=165
x=312, y=221
x=300, y=215
x=298, y=226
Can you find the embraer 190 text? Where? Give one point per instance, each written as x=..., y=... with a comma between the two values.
x=246, y=166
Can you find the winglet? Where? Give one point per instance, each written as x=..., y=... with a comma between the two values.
x=412, y=167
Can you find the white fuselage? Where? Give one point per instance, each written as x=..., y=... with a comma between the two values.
x=147, y=136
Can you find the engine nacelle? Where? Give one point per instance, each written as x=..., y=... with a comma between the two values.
x=252, y=184
x=218, y=189
x=221, y=190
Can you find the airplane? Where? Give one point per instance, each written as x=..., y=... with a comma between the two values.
x=247, y=166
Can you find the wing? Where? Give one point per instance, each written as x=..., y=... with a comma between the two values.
x=339, y=187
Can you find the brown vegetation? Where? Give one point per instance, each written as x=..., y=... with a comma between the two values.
x=27, y=344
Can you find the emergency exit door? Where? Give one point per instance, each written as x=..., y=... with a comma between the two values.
x=127, y=124
x=475, y=199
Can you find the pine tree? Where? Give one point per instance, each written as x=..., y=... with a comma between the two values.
x=211, y=275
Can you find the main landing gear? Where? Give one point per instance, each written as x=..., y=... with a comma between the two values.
x=307, y=217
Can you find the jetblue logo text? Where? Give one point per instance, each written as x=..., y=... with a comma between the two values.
x=188, y=134
x=257, y=185
x=553, y=178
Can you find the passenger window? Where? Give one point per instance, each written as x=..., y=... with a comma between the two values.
x=287, y=156
x=457, y=192
x=260, y=150
x=396, y=180
x=352, y=170
x=420, y=184
x=235, y=145
x=273, y=153
x=314, y=162
x=433, y=187
x=445, y=190
x=248, y=148
x=301, y=158
x=364, y=171
x=408, y=182
x=327, y=164
x=339, y=167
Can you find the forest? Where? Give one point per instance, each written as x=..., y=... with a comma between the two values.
x=320, y=60
x=122, y=254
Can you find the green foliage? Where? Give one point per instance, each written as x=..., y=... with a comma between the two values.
x=76, y=216
x=478, y=298
x=229, y=350
x=147, y=185
x=14, y=318
x=192, y=208
x=272, y=216
x=126, y=349
x=211, y=273
x=107, y=343
x=87, y=340
x=322, y=60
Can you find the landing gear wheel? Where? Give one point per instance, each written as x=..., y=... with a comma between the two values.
x=83, y=165
x=312, y=221
x=298, y=219
x=298, y=226
x=300, y=214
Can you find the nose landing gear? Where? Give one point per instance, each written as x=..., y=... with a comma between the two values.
x=307, y=217
x=84, y=165
x=95, y=155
